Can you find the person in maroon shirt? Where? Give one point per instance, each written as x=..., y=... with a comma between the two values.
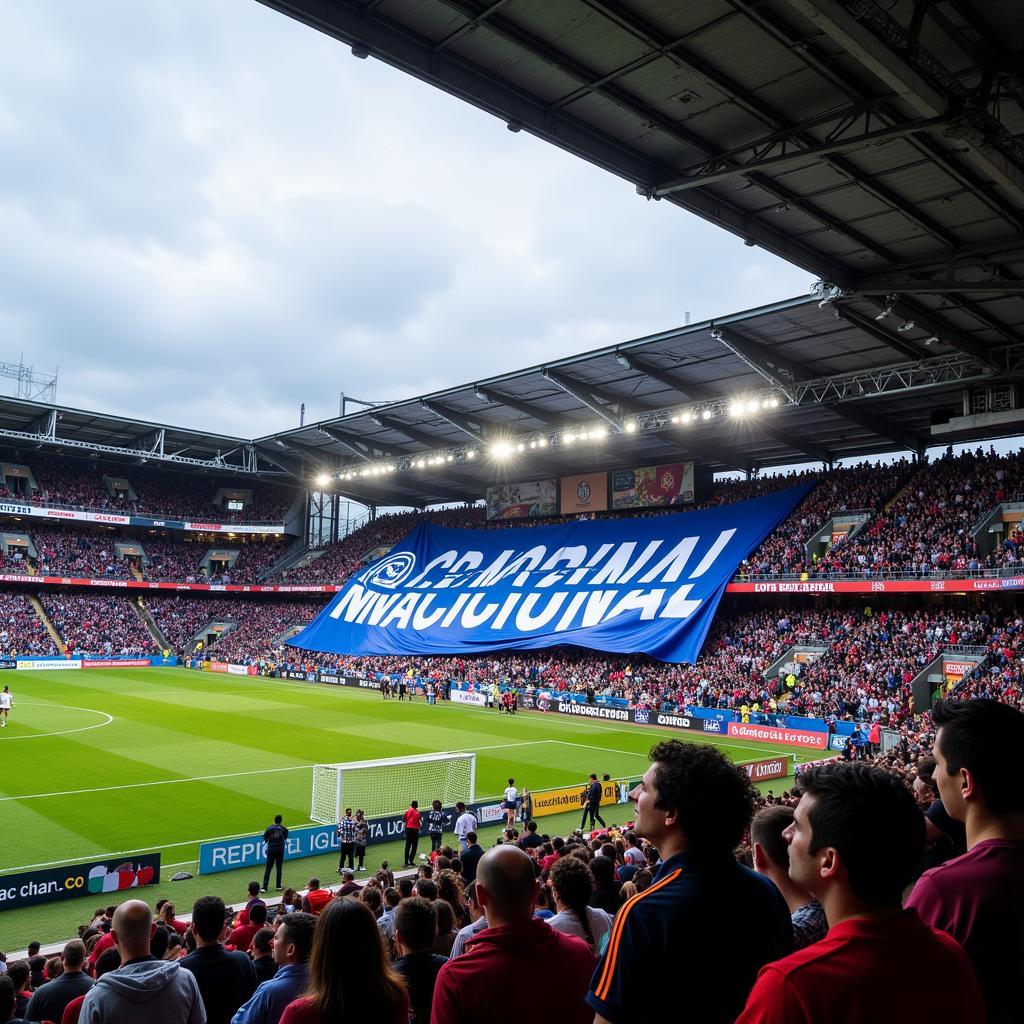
x=978, y=898
x=479, y=987
x=856, y=838
x=241, y=937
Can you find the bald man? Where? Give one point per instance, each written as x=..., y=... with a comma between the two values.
x=143, y=988
x=480, y=985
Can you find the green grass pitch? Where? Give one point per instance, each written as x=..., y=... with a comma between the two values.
x=110, y=762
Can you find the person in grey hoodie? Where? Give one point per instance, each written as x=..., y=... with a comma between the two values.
x=142, y=988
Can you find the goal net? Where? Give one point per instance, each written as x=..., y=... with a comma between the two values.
x=387, y=786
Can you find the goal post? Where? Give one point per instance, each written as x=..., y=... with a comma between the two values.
x=386, y=786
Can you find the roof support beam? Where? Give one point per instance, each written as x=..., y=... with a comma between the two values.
x=457, y=421
x=588, y=396
x=933, y=324
x=784, y=373
x=721, y=168
x=941, y=286
x=699, y=393
x=870, y=327
x=891, y=67
x=364, y=447
x=527, y=409
x=419, y=436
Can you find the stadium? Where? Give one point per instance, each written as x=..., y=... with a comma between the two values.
x=776, y=539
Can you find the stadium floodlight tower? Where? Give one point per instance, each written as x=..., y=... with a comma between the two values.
x=387, y=786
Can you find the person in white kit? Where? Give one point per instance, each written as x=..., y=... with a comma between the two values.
x=6, y=703
x=510, y=804
x=465, y=824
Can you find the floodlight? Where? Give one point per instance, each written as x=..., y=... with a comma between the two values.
x=706, y=414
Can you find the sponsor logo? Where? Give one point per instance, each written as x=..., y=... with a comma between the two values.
x=390, y=571
x=568, y=707
x=49, y=664
x=583, y=492
x=987, y=584
x=465, y=697
x=1011, y=584
x=777, y=768
x=777, y=734
x=101, y=518
x=711, y=725
x=641, y=716
x=543, y=704
x=678, y=721
x=57, y=513
x=326, y=677
x=114, y=663
x=205, y=526
x=492, y=812
x=765, y=588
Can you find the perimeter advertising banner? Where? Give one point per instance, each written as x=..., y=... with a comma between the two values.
x=571, y=798
x=585, y=493
x=653, y=486
x=523, y=501
x=778, y=734
x=94, y=878
x=648, y=585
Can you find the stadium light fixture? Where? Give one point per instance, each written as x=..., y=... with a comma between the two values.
x=706, y=414
x=323, y=480
x=631, y=427
x=542, y=442
x=736, y=410
x=753, y=405
x=471, y=454
x=501, y=449
x=568, y=438
x=686, y=417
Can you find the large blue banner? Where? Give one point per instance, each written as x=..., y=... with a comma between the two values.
x=649, y=585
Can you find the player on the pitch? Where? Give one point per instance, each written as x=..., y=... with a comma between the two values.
x=6, y=703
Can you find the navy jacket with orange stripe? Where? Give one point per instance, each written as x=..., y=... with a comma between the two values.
x=694, y=940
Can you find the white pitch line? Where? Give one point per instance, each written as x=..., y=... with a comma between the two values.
x=64, y=732
x=226, y=775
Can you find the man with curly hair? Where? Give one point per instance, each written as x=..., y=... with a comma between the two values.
x=703, y=909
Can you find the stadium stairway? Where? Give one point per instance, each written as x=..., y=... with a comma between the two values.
x=50, y=627
x=295, y=552
x=150, y=623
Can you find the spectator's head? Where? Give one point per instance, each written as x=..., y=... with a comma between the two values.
x=293, y=941
x=460, y=807
x=856, y=837
x=976, y=759
x=349, y=974
x=208, y=915
x=258, y=914
x=506, y=885
x=436, y=805
x=693, y=798
x=427, y=888
x=263, y=942
x=573, y=884
x=471, y=838
x=405, y=887
x=159, y=941
x=314, y=883
x=277, y=819
x=33, y=947
x=109, y=960
x=74, y=955
x=348, y=875
x=770, y=848
x=391, y=897
x=133, y=927
x=7, y=999
x=414, y=804
x=415, y=925
x=531, y=826
x=254, y=888
x=19, y=973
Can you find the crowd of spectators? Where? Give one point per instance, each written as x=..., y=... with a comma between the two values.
x=22, y=632
x=61, y=552
x=98, y=624
x=78, y=483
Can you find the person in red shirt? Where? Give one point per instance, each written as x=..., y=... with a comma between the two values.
x=316, y=898
x=412, y=833
x=478, y=986
x=978, y=898
x=241, y=937
x=350, y=978
x=856, y=838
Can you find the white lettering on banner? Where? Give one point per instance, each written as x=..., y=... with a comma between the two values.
x=677, y=720
x=49, y=664
x=465, y=697
x=568, y=707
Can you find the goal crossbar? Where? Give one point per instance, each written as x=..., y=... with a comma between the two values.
x=385, y=786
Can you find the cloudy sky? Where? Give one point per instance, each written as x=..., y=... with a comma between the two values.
x=210, y=214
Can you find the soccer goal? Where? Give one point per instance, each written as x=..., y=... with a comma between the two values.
x=387, y=786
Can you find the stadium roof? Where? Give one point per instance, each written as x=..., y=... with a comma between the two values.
x=845, y=384
x=58, y=429
x=878, y=145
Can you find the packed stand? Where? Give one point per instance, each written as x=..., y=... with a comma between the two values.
x=78, y=554
x=928, y=529
x=80, y=484
x=258, y=622
x=97, y=624
x=22, y=632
